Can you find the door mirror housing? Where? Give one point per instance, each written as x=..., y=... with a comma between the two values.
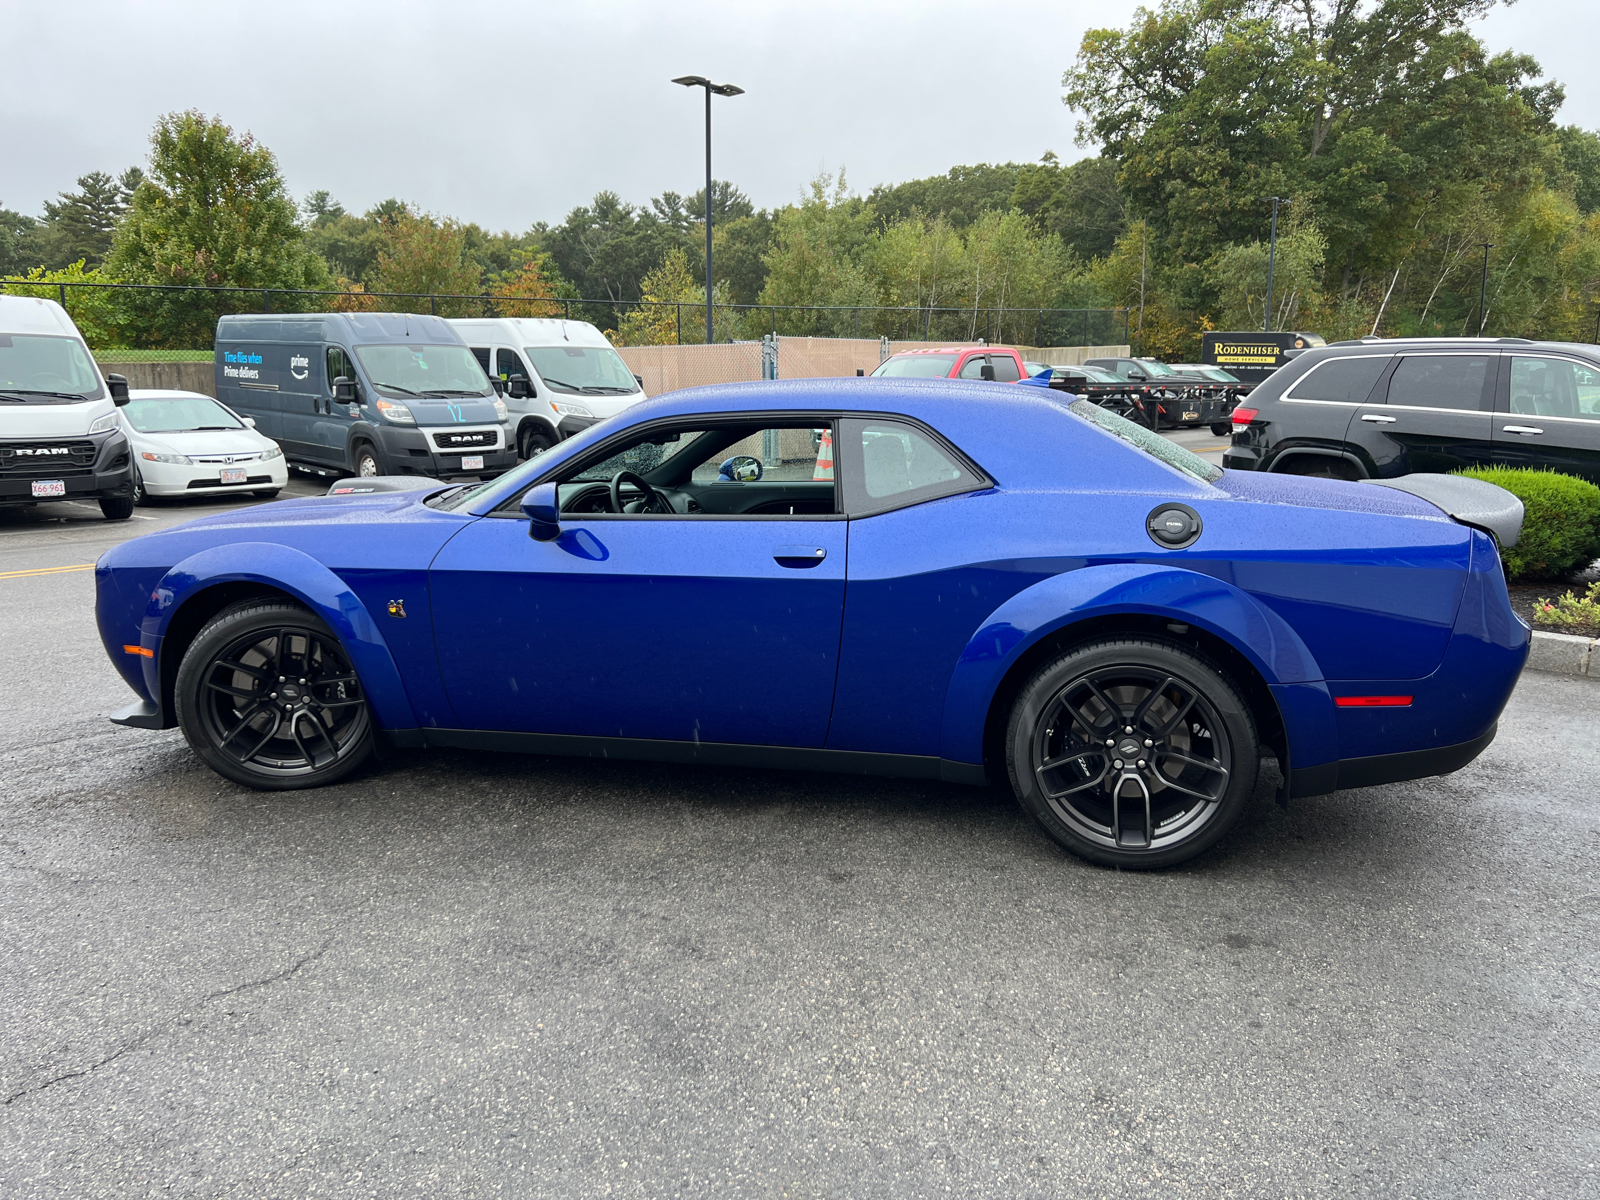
x=250, y=422
x=498, y=384
x=344, y=390
x=519, y=388
x=542, y=507
x=741, y=468
x=117, y=385
x=986, y=372
x=1137, y=377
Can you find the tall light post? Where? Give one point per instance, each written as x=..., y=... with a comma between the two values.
x=721, y=89
x=1483, y=289
x=1272, y=256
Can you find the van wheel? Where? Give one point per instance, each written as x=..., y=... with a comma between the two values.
x=117, y=508
x=534, y=439
x=367, y=463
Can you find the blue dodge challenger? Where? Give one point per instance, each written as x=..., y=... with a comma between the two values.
x=956, y=580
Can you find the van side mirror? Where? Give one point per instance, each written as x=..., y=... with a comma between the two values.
x=860, y=371
x=117, y=385
x=542, y=507
x=639, y=379
x=498, y=384
x=344, y=390
x=986, y=372
x=520, y=388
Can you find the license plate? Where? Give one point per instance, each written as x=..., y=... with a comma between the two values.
x=472, y=462
x=49, y=487
x=235, y=475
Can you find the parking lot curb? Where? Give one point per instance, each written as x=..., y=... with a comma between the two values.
x=1561, y=653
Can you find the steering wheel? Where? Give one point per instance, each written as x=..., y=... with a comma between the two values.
x=653, y=501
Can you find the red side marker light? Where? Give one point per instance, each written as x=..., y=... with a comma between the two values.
x=139, y=650
x=1373, y=701
x=1243, y=416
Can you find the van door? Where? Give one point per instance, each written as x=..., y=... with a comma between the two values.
x=246, y=383
x=310, y=433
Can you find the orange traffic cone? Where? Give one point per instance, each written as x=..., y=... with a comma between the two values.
x=824, y=457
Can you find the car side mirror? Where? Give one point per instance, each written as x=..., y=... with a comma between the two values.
x=344, y=390
x=542, y=507
x=117, y=385
x=518, y=388
x=498, y=384
x=639, y=379
x=250, y=422
x=1137, y=376
x=986, y=372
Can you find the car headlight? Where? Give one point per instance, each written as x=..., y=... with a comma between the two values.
x=105, y=424
x=274, y=452
x=570, y=410
x=398, y=413
x=499, y=409
x=181, y=460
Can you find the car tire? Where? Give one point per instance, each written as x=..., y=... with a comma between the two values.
x=366, y=461
x=267, y=494
x=254, y=666
x=117, y=508
x=533, y=439
x=1188, y=721
x=1222, y=429
x=140, y=496
x=1320, y=467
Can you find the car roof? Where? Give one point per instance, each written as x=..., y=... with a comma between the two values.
x=1452, y=343
x=537, y=331
x=34, y=314
x=166, y=394
x=949, y=350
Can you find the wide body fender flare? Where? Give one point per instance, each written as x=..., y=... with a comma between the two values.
x=307, y=580
x=1115, y=589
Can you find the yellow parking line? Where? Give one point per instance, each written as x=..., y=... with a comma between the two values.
x=46, y=571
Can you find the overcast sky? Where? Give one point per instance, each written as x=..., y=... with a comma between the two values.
x=511, y=112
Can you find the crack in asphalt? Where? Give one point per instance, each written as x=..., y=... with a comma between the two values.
x=248, y=985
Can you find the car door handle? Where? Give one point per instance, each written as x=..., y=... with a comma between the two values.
x=1526, y=430
x=1379, y=420
x=799, y=557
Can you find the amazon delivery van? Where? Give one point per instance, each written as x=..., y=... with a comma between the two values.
x=59, y=434
x=572, y=376
x=364, y=393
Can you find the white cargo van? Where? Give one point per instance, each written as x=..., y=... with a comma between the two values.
x=571, y=376
x=59, y=434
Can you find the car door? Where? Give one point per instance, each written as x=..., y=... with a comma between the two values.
x=1548, y=415
x=682, y=626
x=1435, y=414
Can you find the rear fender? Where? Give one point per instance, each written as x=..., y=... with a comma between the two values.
x=301, y=576
x=1117, y=589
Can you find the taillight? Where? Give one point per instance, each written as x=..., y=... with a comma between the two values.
x=1243, y=416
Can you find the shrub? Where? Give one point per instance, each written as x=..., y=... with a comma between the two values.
x=1561, y=527
x=1571, y=611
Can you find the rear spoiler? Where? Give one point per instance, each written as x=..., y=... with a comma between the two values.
x=1470, y=501
x=366, y=485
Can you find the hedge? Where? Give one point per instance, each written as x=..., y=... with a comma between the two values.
x=1561, y=528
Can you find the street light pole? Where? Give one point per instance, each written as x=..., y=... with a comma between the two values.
x=1483, y=289
x=721, y=89
x=1272, y=256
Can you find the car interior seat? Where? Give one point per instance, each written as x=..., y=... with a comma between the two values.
x=885, y=465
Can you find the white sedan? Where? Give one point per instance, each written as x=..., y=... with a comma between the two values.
x=187, y=444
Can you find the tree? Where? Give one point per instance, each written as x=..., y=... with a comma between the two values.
x=818, y=257
x=214, y=211
x=1081, y=202
x=16, y=230
x=423, y=254
x=530, y=289
x=738, y=247
x=961, y=195
x=1580, y=154
x=321, y=208
x=668, y=291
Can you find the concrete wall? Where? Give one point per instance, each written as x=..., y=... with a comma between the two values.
x=175, y=376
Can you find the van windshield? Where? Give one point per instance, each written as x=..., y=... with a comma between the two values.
x=45, y=369
x=409, y=370
x=917, y=366
x=591, y=370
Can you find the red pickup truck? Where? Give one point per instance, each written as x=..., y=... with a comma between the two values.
x=1003, y=364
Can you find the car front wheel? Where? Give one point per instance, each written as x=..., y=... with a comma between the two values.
x=1132, y=752
x=367, y=463
x=267, y=696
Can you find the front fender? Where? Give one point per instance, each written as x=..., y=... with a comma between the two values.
x=304, y=578
x=1115, y=589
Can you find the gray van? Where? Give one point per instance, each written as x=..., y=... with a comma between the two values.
x=364, y=393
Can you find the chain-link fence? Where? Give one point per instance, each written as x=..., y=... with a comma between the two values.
x=176, y=323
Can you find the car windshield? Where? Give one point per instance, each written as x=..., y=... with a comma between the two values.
x=1152, y=444
x=45, y=369
x=1152, y=369
x=1092, y=374
x=591, y=370
x=918, y=366
x=178, y=414
x=407, y=370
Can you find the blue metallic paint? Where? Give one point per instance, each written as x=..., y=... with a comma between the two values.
x=664, y=628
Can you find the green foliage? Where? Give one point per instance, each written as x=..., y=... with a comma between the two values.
x=817, y=259
x=960, y=196
x=1573, y=612
x=1561, y=524
x=424, y=254
x=739, y=248
x=15, y=229
x=676, y=309
x=1580, y=154
x=213, y=211
x=100, y=314
x=1081, y=203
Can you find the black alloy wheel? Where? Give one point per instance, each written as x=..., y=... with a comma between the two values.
x=267, y=696
x=1133, y=752
x=532, y=440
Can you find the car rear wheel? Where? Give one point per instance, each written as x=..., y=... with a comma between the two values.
x=534, y=440
x=268, y=698
x=1132, y=752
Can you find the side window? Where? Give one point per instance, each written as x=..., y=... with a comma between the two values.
x=891, y=464
x=1441, y=381
x=973, y=367
x=481, y=353
x=507, y=364
x=1554, y=387
x=1346, y=380
x=1005, y=369
x=339, y=364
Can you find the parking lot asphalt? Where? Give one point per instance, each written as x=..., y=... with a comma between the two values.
x=475, y=975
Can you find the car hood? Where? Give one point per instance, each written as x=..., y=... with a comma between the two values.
x=201, y=442
x=67, y=419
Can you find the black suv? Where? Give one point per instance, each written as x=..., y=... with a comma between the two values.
x=1381, y=407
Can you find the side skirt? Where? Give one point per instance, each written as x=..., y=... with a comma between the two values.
x=1387, y=768
x=720, y=754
